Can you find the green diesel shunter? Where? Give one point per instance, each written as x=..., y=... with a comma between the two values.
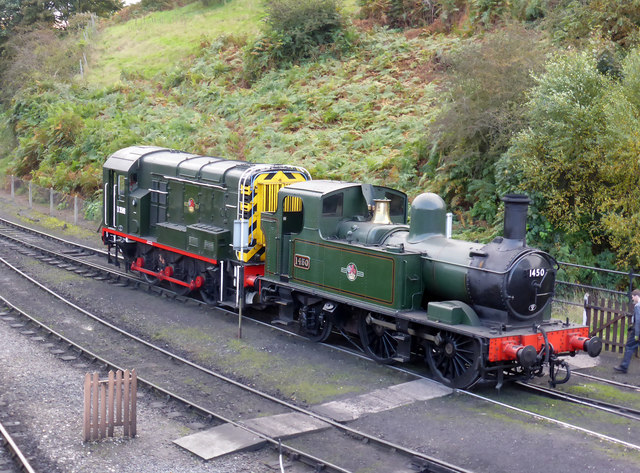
x=174, y=215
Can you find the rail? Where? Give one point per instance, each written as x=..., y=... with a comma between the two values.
x=16, y=453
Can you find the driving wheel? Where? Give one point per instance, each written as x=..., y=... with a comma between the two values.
x=455, y=360
x=377, y=340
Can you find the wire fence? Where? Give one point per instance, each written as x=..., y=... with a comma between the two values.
x=65, y=207
x=577, y=284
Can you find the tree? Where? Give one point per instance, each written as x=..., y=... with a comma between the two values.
x=484, y=106
x=579, y=156
x=9, y=13
x=558, y=155
x=99, y=7
x=22, y=14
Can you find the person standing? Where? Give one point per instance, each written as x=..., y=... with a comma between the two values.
x=633, y=335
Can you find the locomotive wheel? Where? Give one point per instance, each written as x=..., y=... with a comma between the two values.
x=322, y=333
x=455, y=360
x=377, y=341
x=150, y=264
x=184, y=271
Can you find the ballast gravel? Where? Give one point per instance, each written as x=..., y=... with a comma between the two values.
x=41, y=396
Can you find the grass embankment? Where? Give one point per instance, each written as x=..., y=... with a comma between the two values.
x=174, y=79
x=158, y=42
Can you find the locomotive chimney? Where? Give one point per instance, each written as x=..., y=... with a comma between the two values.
x=515, y=216
x=381, y=212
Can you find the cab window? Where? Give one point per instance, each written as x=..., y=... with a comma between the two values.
x=121, y=185
x=397, y=205
x=332, y=206
x=292, y=215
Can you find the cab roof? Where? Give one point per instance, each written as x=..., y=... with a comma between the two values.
x=125, y=159
x=320, y=187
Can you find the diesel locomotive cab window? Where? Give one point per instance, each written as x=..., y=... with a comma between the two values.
x=121, y=185
x=133, y=182
x=332, y=206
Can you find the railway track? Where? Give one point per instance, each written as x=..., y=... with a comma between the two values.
x=611, y=382
x=624, y=411
x=19, y=460
x=79, y=259
x=166, y=368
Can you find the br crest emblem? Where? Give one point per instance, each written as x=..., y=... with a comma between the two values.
x=352, y=272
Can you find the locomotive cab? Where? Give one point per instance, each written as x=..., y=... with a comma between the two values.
x=126, y=202
x=330, y=211
x=120, y=180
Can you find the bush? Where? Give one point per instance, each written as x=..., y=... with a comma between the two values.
x=40, y=54
x=583, y=137
x=559, y=154
x=295, y=30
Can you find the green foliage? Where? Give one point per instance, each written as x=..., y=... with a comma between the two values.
x=157, y=5
x=43, y=53
x=484, y=108
x=529, y=10
x=487, y=12
x=446, y=15
x=580, y=154
x=93, y=208
x=568, y=21
x=576, y=21
x=376, y=114
x=296, y=30
x=407, y=13
x=103, y=8
x=558, y=155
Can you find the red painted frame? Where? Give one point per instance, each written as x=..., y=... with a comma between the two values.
x=250, y=272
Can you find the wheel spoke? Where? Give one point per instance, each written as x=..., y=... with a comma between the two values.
x=377, y=341
x=454, y=360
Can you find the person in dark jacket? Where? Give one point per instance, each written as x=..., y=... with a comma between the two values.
x=633, y=335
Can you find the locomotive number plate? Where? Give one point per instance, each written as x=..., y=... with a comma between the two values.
x=536, y=272
x=301, y=261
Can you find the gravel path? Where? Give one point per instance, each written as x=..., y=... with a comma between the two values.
x=52, y=420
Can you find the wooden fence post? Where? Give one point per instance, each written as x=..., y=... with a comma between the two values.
x=86, y=425
x=109, y=403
